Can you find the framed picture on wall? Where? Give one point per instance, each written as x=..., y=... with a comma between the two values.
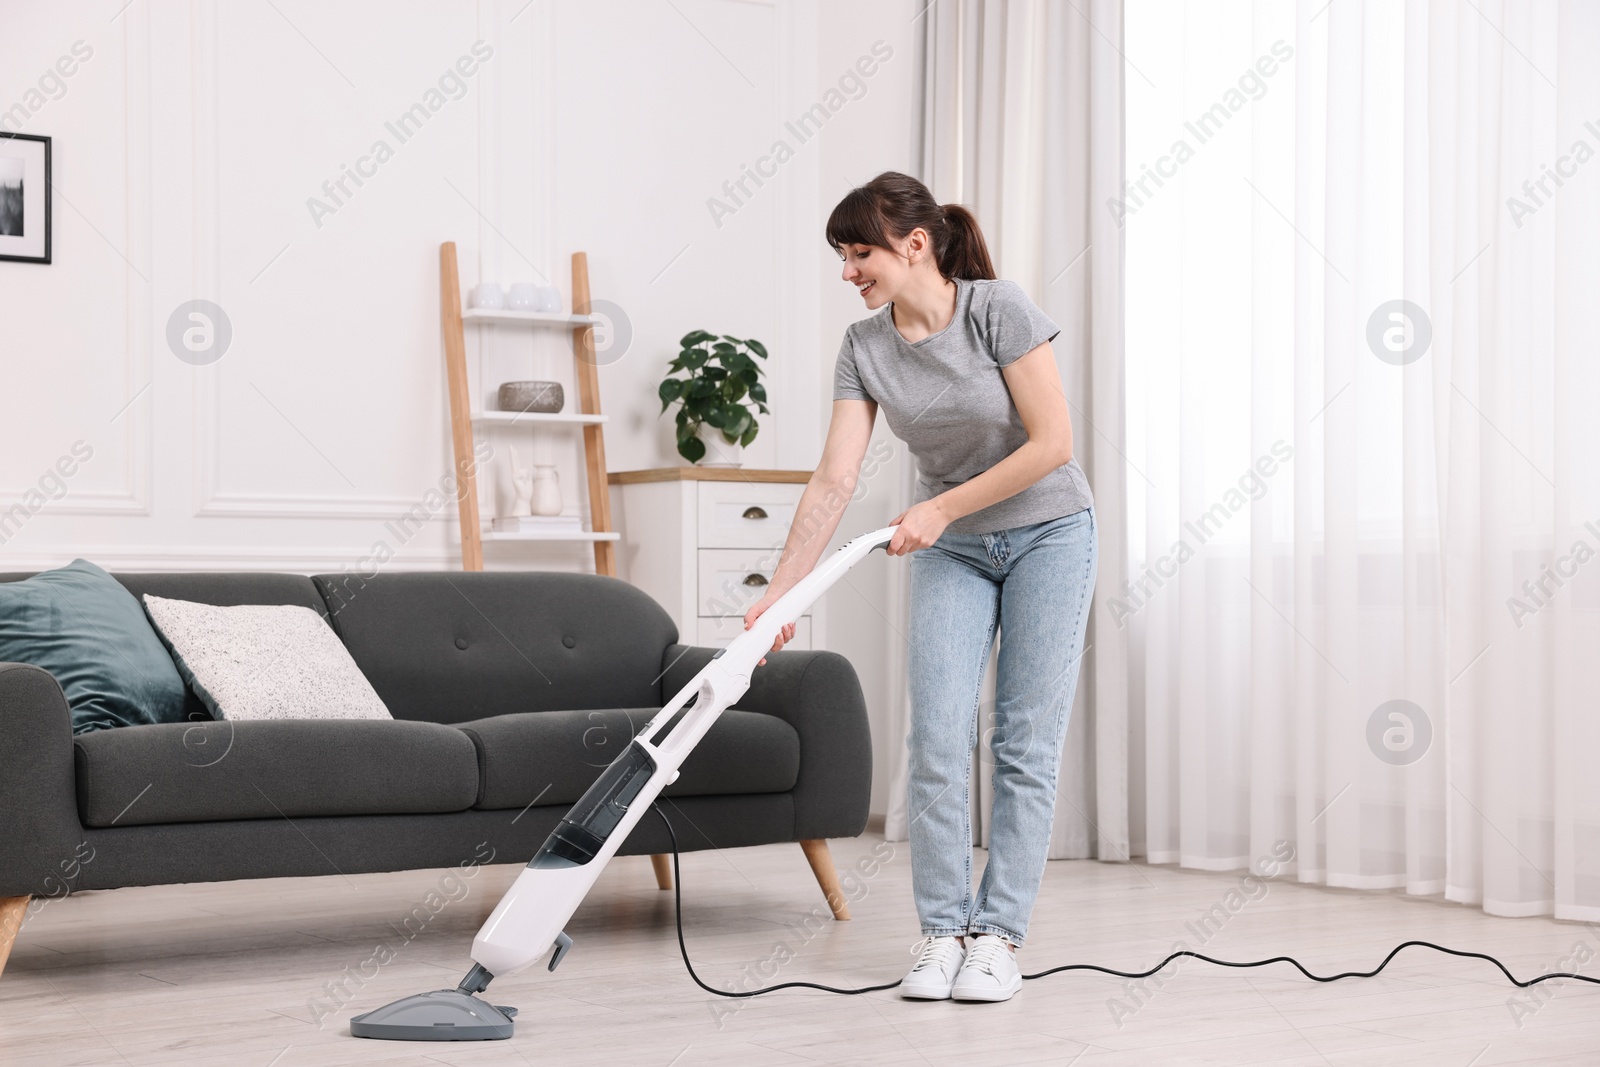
x=24, y=197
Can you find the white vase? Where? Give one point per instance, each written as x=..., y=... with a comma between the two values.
x=546, y=490
x=719, y=453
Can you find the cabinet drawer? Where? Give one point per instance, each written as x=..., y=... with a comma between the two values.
x=732, y=579
x=716, y=633
x=746, y=515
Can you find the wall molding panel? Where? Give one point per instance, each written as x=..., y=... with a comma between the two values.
x=136, y=426
x=230, y=115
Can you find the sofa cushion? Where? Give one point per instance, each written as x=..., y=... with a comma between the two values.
x=455, y=647
x=77, y=623
x=263, y=661
x=201, y=772
x=551, y=757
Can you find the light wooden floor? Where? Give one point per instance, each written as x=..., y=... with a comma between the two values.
x=225, y=973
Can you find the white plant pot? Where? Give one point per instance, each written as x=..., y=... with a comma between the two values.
x=719, y=453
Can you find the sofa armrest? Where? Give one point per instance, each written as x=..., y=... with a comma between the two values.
x=819, y=695
x=39, y=825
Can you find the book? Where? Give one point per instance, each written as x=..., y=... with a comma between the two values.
x=537, y=524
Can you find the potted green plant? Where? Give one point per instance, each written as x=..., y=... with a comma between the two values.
x=717, y=385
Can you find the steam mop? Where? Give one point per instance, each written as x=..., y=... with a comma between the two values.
x=529, y=920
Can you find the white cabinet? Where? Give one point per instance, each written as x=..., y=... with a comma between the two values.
x=704, y=542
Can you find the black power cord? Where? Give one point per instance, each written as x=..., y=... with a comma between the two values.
x=677, y=895
x=677, y=900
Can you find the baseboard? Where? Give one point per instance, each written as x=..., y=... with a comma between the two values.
x=272, y=558
x=292, y=560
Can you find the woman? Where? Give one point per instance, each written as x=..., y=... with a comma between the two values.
x=1002, y=533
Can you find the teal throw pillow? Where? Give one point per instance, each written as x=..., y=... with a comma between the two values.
x=84, y=627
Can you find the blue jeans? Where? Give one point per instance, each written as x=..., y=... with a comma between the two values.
x=1035, y=583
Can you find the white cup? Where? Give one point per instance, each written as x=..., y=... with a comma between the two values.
x=523, y=296
x=549, y=298
x=486, y=295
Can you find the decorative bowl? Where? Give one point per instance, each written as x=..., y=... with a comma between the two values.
x=544, y=398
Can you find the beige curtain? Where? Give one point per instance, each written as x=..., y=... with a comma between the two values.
x=1021, y=120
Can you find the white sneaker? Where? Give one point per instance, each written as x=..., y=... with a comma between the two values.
x=939, y=960
x=989, y=973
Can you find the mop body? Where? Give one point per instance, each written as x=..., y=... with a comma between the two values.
x=529, y=920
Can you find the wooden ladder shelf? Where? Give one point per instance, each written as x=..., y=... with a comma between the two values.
x=589, y=417
x=461, y=413
x=594, y=450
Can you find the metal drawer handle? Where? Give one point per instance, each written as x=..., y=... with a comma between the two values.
x=754, y=579
x=754, y=512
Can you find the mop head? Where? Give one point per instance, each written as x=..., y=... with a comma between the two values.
x=443, y=1015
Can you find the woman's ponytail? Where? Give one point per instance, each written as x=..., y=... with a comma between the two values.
x=963, y=253
x=892, y=205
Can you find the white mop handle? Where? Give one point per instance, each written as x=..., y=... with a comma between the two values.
x=529, y=918
x=726, y=677
x=746, y=650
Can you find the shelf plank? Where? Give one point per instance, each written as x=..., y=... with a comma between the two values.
x=708, y=474
x=527, y=418
x=557, y=319
x=535, y=535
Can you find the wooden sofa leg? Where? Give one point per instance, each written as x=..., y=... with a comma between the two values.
x=663, y=866
x=12, y=910
x=821, y=861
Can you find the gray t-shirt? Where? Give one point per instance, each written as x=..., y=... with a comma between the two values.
x=945, y=397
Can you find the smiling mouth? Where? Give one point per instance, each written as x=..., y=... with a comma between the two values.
x=865, y=289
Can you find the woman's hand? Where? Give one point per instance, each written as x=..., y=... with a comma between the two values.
x=784, y=636
x=920, y=526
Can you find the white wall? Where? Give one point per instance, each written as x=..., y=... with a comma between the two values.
x=188, y=145
x=186, y=149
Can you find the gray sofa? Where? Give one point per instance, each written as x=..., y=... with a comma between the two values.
x=510, y=691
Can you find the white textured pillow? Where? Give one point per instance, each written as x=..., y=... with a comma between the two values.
x=264, y=661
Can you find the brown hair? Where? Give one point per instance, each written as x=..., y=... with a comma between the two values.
x=892, y=205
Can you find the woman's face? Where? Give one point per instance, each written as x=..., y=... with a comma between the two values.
x=880, y=274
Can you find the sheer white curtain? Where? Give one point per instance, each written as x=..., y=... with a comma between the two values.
x=1363, y=600
x=1022, y=121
